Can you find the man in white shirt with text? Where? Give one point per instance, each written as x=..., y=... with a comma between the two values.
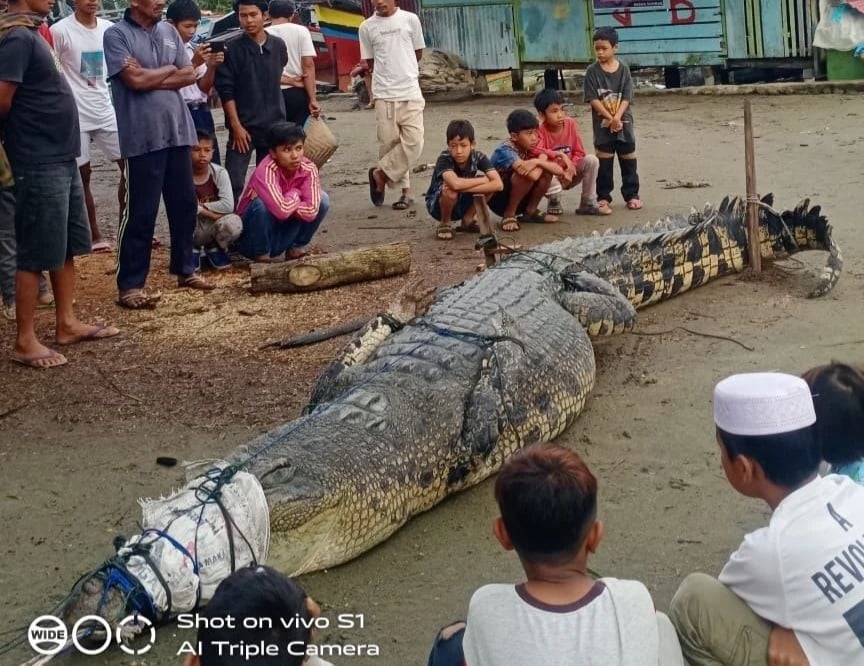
x=391, y=41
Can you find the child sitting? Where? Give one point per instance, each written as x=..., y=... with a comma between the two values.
x=455, y=181
x=281, y=611
x=218, y=226
x=838, y=396
x=608, y=88
x=559, y=133
x=560, y=614
x=283, y=204
x=793, y=590
x=526, y=173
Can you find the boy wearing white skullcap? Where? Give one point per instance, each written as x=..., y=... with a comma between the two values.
x=796, y=587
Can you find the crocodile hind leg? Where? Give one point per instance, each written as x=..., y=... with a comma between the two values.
x=599, y=307
x=411, y=301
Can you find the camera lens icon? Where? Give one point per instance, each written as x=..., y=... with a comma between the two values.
x=137, y=621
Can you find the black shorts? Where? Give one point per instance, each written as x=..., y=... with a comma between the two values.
x=616, y=147
x=51, y=223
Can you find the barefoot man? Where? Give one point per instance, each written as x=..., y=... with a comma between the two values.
x=391, y=42
x=40, y=128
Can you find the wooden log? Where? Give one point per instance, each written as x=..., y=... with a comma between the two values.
x=752, y=196
x=331, y=270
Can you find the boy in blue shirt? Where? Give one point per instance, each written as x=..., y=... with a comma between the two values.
x=455, y=181
x=526, y=173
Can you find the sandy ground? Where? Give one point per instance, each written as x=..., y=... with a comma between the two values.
x=78, y=444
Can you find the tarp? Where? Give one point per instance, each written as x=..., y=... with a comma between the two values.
x=841, y=25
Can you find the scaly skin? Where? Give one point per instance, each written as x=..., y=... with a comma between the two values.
x=419, y=406
x=405, y=417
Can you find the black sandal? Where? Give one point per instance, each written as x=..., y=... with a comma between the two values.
x=376, y=195
x=402, y=203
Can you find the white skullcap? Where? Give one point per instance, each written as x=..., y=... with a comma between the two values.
x=763, y=403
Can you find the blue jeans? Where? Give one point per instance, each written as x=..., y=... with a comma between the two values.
x=263, y=234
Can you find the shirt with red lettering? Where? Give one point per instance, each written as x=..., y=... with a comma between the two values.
x=566, y=141
x=284, y=194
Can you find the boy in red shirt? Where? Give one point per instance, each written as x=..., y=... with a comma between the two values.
x=283, y=204
x=560, y=134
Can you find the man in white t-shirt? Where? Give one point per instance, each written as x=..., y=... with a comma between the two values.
x=298, y=77
x=793, y=592
x=78, y=44
x=391, y=41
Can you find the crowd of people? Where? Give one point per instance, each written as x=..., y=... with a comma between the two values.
x=139, y=92
x=790, y=595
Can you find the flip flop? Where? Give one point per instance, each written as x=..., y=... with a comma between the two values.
x=102, y=247
x=37, y=361
x=195, y=281
x=509, y=222
x=444, y=232
x=97, y=332
x=537, y=218
x=375, y=195
x=634, y=204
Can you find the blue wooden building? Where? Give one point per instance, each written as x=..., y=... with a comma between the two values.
x=493, y=35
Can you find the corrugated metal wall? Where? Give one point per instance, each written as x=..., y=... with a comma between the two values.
x=779, y=28
x=483, y=36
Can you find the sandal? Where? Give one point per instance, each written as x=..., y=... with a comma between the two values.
x=596, y=209
x=194, y=281
x=470, y=228
x=537, y=218
x=554, y=207
x=376, y=195
x=509, y=224
x=634, y=204
x=137, y=299
x=402, y=203
x=444, y=232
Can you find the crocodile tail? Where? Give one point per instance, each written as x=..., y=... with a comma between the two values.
x=811, y=230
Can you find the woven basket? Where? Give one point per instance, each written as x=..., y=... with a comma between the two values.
x=320, y=141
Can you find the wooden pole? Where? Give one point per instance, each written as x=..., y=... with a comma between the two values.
x=752, y=197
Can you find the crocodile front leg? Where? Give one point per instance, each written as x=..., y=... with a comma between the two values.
x=411, y=301
x=600, y=308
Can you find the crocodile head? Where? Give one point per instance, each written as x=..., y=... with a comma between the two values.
x=798, y=230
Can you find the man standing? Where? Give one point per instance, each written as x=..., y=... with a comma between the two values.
x=148, y=66
x=248, y=84
x=78, y=44
x=42, y=139
x=391, y=41
x=298, y=78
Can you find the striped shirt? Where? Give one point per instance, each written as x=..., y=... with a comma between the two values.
x=295, y=194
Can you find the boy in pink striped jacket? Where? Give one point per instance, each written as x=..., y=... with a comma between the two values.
x=283, y=204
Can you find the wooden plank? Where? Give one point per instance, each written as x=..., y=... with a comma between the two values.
x=688, y=31
x=801, y=28
x=773, y=31
x=706, y=45
x=736, y=29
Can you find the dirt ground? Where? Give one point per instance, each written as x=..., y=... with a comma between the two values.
x=78, y=444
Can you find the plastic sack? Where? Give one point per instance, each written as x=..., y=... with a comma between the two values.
x=189, y=525
x=840, y=27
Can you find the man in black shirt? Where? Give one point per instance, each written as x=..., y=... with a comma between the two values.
x=248, y=83
x=39, y=120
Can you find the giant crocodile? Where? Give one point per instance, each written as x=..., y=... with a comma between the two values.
x=417, y=408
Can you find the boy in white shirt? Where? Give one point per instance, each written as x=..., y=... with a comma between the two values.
x=298, y=85
x=793, y=592
x=185, y=16
x=78, y=44
x=391, y=42
x=560, y=614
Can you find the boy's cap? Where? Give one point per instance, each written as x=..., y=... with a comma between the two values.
x=763, y=403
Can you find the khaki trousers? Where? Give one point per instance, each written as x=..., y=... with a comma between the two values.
x=715, y=627
x=400, y=138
